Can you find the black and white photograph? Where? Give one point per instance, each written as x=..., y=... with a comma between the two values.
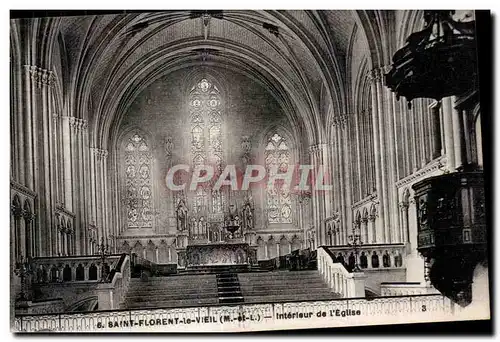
x=247, y=170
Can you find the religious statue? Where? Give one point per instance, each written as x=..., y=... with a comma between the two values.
x=422, y=212
x=202, y=227
x=248, y=219
x=232, y=220
x=182, y=216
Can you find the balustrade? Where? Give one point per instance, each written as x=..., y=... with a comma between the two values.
x=405, y=289
x=370, y=256
x=347, y=284
x=71, y=269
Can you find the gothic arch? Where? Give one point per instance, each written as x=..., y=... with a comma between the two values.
x=296, y=243
x=261, y=248
x=284, y=245
x=125, y=248
x=151, y=251
x=272, y=252
x=138, y=249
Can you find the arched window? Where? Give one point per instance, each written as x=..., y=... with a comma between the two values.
x=277, y=159
x=137, y=175
x=207, y=129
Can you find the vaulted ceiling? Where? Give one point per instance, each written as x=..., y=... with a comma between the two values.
x=102, y=62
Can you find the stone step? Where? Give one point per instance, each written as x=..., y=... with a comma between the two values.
x=280, y=277
x=153, y=287
x=170, y=303
x=289, y=297
x=183, y=296
x=281, y=273
x=319, y=291
x=155, y=294
x=287, y=283
x=173, y=280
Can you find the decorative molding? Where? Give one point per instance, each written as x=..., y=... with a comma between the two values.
x=141, y=237
x=23, y=190
x=40, y=76
x=63, y=210
x=278, y=232
x=369, y=199
x=419, y=174
x=334, y=218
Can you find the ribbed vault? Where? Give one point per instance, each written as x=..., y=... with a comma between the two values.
x=103, y=62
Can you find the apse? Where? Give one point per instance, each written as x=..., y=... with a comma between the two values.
x=195, y=116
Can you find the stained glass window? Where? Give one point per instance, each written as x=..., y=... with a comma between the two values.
x=206, y=120
x=277, y=157
x=138, y=192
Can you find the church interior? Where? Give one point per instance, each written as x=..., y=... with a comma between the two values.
x=103, y=106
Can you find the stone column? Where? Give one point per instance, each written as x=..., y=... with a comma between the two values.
x=404, y=221
x=67, y=167
x=373, y=227
x=318, y=157
x=346, y=174
x=77, y=131
x=39, y=176
x=458, y=134
x=449, y=147
x=375, y=80
x=28, y=128
x=100, y=191
x=366, y=231
x=384, y=160
x=334, y=166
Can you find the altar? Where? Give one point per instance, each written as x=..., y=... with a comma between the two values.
x=218, y=254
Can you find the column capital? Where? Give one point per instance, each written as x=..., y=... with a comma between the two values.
x=340, y=120
x=28, y=215
x=17, y=212
x=99, y=153
x=317, y=148
x=40, y=76
x=376, y=74
x=404, y=205
x=77, y=123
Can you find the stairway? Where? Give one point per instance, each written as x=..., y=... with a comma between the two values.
x=284, y=286
x=192, y=290
x=172, y=291
x=228, y=288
